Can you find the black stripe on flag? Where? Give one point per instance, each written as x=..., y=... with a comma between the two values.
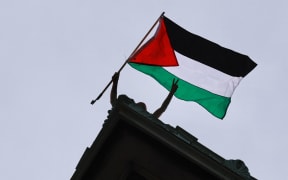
x=207, y=52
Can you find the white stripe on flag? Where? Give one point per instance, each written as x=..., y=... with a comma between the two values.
x=204, y=76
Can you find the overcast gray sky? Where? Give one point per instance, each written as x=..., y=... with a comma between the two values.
x=57, y=55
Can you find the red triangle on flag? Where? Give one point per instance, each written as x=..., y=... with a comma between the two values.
x=157, y=51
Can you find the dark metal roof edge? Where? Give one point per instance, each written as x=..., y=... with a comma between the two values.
x=236, y=166
x=176, y=138
x=195, y=151
x=92, y=151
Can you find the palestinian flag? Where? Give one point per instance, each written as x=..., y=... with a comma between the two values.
x=208, y=73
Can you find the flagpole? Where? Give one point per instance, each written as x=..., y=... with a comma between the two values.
x=127, y=60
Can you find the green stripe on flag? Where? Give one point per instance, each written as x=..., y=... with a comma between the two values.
x=213, y=103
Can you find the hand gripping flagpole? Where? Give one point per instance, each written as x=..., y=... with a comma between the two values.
x=127, y=60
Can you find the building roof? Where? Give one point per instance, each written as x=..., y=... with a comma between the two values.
x=176, y=139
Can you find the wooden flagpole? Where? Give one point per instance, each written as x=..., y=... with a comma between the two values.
x=127, y=60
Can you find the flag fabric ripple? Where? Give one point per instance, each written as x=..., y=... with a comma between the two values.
x=208, y=73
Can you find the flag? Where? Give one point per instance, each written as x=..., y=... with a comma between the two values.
x=208, y=73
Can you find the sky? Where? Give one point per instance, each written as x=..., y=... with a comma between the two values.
x=58, y=55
